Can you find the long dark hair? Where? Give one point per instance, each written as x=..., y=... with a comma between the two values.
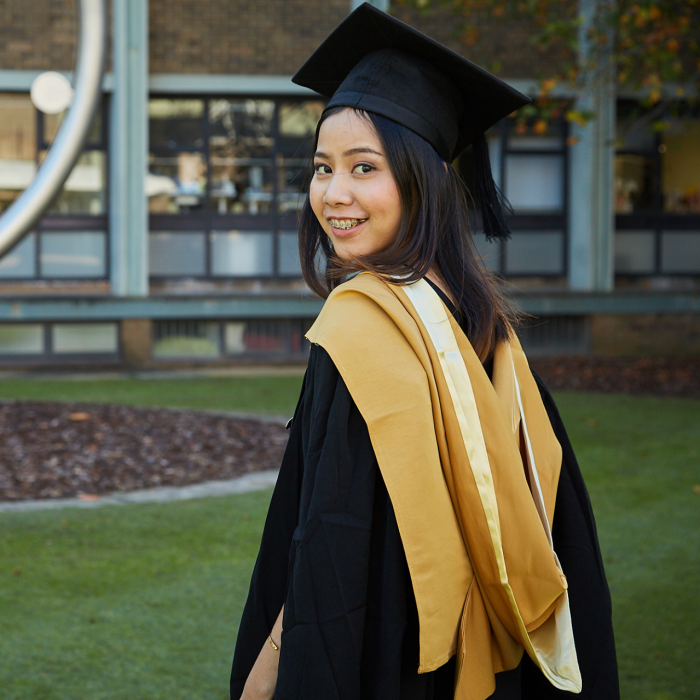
x=434, y=233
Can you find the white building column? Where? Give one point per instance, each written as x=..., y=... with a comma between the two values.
x=591, y=179
x=128, y=140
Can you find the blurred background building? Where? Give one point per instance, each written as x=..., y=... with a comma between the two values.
x=173, y=240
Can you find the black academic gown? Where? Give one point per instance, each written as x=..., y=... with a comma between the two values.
x=332, y=554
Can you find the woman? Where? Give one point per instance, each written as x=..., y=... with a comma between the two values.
x=409, y=550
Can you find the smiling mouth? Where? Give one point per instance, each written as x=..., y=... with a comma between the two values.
x=344, y=224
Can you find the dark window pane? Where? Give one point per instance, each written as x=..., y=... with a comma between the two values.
x=178, y=254
x=535, y=253
x=176, y=123
x=534, y=183
x=75, y=254
x=241, y=146
x=289, y=263
x=680, y=252
x=176, y=183
x=634, y=252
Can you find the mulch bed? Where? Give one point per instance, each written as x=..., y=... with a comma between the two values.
x=59, y=450
x=658, y=376
x=52, y=450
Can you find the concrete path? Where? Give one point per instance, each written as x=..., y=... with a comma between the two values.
x=242, y=484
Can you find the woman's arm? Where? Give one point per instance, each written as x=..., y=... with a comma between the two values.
x=262, y=680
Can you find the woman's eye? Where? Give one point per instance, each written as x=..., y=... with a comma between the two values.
x=363, y=168
x=321, y=169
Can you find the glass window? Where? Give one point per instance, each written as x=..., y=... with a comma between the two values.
x=534, y=183
x=21, y=339
x=240, y=147
x=20, y=261
x=176, y=182
x=176, y=123
x=238, y=253
x=85, y=337
x=177, y=253
x=84, y=192
x=635, y=183
x=186, y=339
x=635, y=252
x=17, y=146
x=289, y=263
x=681, y=167
x=297, y=127
x=75, y=254
x=265, y=337
x=535, y=253
x=680, y=252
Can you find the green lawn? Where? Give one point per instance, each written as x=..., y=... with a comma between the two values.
x=275, y=395
x=142, y=601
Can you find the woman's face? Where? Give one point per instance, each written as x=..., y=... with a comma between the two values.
x=353, y=193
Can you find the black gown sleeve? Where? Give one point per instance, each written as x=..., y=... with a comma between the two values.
x=331, y=552
x=576, y=544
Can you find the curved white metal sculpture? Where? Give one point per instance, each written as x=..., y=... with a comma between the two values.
x=24, y=212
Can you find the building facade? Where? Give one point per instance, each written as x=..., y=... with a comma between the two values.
x=173, y=240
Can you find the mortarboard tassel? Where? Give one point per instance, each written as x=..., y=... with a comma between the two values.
x=492, y=200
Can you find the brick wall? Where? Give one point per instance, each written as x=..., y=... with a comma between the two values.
x=246, y=37
x=37, y=34
x=269, y=37
x=646, y=335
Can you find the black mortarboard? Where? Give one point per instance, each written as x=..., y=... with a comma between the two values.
x=377, y=63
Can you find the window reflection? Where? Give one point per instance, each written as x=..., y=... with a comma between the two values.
x=17, y=146
x=297, y=126
x=240, y=147
x=176, y=183
x=681, y=167
x=84, y=192
x=175, y=123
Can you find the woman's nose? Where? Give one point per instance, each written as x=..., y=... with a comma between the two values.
x=338, y=192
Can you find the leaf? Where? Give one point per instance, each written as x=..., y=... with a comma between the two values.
x=80, y=416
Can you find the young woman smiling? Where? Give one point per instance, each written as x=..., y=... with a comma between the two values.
x=412, y=550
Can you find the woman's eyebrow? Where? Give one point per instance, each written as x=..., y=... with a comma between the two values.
x=354, y=151
x=351, y=152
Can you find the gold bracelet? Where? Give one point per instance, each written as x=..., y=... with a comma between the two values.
x=274, y=646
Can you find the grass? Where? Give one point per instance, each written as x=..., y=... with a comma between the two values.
x=276, y=395
x=132, y=603
x=143, y=601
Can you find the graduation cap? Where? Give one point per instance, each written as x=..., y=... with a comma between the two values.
x=375, y=62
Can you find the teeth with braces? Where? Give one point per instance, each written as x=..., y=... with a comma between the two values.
x=345, y=223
